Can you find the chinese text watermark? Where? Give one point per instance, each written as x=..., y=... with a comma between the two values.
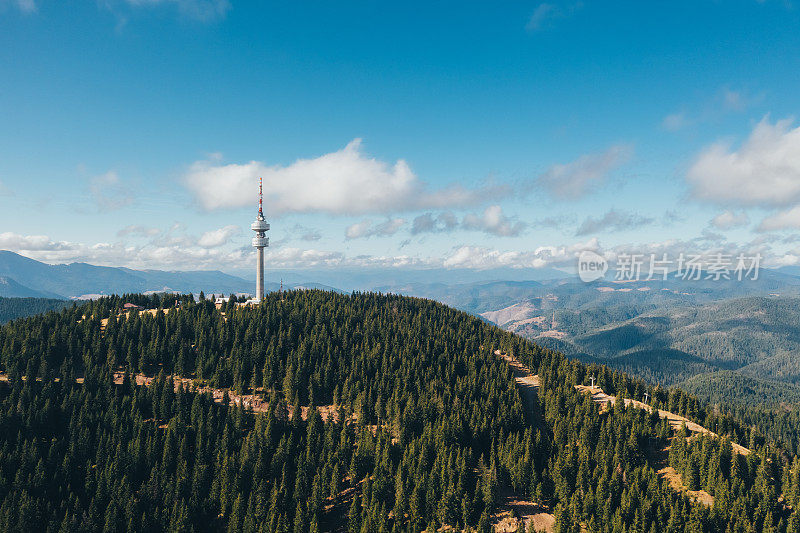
x=687, y=267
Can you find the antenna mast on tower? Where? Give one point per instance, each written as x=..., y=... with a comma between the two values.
x=260, y=197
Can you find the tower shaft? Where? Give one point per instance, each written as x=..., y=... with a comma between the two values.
x=260, y=241
x=260, y=275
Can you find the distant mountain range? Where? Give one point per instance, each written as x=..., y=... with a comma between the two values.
x=668, y=331
x=11, y=289
x=701, y=334
x=24, y=277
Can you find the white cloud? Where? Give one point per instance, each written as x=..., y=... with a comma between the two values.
x=109, y=193
x=218, y=237
x=494, y=221
x=558, y=222
x=788, y=259
x=169, y=253
x=540, y=15
x=169, y=250
x=26, y=6
x=730, y=219
x=365, y=228
x=675, y=121
x=296, y=257
x=138, y=230
x=764, y=171
x=428, y=223
x=577, y=178
x=733, y=99
x=202, y=10
x=345, y=182
x=358, y=230
x=482, y=258
x=565, y=255
x=613, y=220
x=723, y=102
x=546, y=12
x=304, y=233
x=15, y=241
x=788, y=219
x=739, y=100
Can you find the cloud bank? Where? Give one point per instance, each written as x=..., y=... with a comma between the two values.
x=492, y=221
x=345, y=182
x=764, y=171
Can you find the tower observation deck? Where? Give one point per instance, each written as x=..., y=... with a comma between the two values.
x=260, y=241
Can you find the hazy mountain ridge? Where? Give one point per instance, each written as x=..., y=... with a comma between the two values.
x=697, y=347
x=729, y=387
x=27, y=277
x=732, y=334
x=666, y=331
x=11, y=289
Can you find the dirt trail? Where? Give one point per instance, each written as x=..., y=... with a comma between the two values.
x=659, y=458
x=529, y=384
x=253, y=401
x=675, y=421
x=523, y=376
x=527, y=511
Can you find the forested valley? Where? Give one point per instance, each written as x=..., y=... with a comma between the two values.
x=413, y=423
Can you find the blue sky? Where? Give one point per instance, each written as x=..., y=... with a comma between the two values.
x=432, y=135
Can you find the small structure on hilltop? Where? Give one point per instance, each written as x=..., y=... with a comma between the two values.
x=128, y=307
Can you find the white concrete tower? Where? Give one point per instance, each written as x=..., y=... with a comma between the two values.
x=260, y=241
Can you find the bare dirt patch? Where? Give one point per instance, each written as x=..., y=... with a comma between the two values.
x=514, y=511
x=254, y=401
x=675, y=481
x=553, y=334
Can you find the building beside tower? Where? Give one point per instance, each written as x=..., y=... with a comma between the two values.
x=260, y=241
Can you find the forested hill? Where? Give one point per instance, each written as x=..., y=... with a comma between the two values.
x=11, y=308
x=423, y=428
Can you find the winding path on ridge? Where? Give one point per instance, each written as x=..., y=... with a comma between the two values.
x=529, y=383
x=527, y=511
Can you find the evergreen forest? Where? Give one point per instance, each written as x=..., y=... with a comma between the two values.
x=385, y=414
